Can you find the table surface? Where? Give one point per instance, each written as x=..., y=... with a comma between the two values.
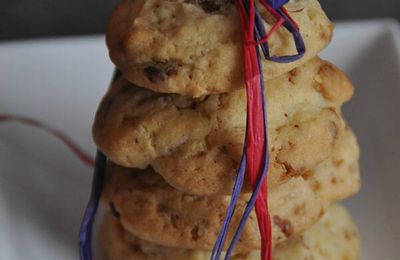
x=43, y=188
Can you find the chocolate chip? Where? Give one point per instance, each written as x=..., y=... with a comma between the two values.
x=195, y=233
x=224, y=149
x=163, y=209
x=210, y=6
x=194, y=105
x=161, y=71
x=285, y=225
x=114, y=211
x=289, y=170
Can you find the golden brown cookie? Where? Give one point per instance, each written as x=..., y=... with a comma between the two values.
x=194, y=47
x=152, y=210
x=196, y=144
x=334, y=237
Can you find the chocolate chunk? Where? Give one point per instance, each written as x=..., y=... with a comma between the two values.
x=289, y=170
x=210, y=6
x=195, y=233
x=160, y=71
x=224, y=149
x=194, y=105
x=284, y=225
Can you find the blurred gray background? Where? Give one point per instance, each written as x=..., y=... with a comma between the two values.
x=50, y=18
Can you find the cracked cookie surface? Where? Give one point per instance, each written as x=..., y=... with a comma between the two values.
x=152, y=210
x=196, y=144
x=334, y=237
x=194, y=47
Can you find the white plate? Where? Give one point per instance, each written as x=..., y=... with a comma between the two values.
x=44, y=189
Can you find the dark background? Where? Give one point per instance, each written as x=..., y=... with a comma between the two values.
x=49, y=18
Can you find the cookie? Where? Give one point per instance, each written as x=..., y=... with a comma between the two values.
x=334, y=237
x=196, y=144
x=194, y=48
x=152, y=210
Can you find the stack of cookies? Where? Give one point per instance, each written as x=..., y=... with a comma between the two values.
x=173, y=124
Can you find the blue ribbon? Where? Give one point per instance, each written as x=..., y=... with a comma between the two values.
x=260, y=33
x=85, y=234
x=277, y=3
x=85, y=237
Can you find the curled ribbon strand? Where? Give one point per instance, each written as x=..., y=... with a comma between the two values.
x=78, y=151
x=256, y=153
x=85, y=233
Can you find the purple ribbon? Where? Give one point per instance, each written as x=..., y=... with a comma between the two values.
x=298, y=39
x=277, y=3
x=85, y=236
x=300, y=47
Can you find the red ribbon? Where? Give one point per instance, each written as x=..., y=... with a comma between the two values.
x=256, y=131
x=256, y=126
x=84, y=157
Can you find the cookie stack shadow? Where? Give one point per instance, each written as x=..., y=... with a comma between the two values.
x=172, y=126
